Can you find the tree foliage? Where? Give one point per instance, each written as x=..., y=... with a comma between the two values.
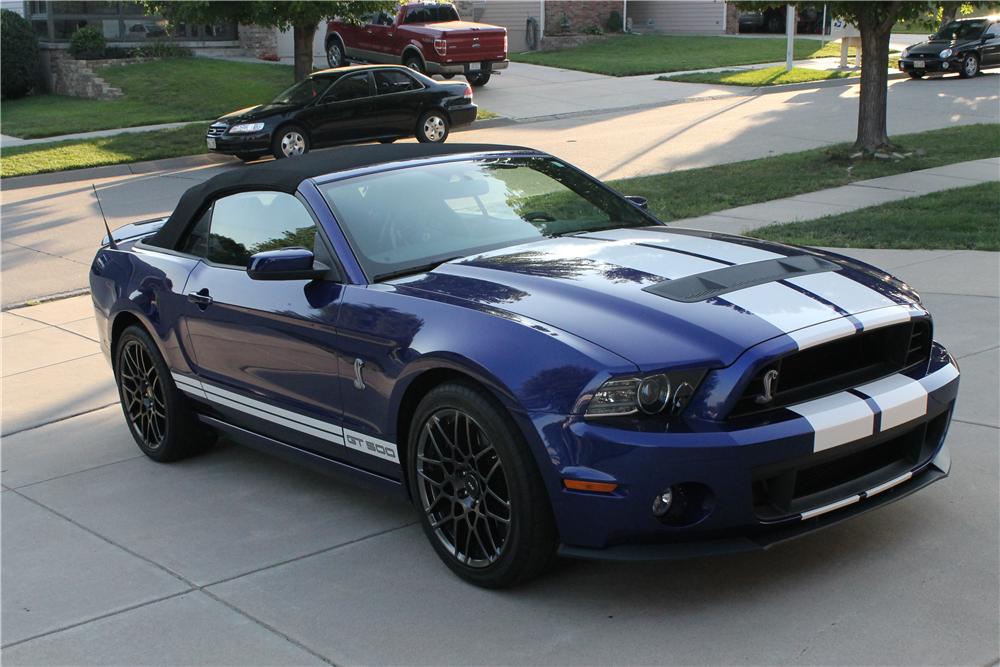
x=19, y=63
x=301, y=16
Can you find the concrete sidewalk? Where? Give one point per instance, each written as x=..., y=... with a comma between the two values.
x=237, y=558
x=857, y=195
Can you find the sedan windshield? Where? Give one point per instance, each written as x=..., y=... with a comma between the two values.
x=304, y=91
x=410, y=219
x=961, y=30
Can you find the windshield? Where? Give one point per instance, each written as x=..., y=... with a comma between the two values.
x=303, y=91
x=961, y=30
x=431, y=14
x=414, y=217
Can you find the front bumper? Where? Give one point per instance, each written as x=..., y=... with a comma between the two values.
x=464, y=68
x=765, y=484
x=256, y=143
x=930, y=65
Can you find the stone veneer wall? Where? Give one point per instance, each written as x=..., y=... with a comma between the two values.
x=580, y=15
x=79, y=79
x=257, y=41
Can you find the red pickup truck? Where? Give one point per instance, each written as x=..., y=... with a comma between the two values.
x=428, y=37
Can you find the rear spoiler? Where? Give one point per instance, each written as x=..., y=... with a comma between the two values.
x=133, y=231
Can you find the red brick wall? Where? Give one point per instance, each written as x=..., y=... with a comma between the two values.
x=580, y=14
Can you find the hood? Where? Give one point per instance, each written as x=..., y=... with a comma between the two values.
x=597, y=286
x=452, y=26
x=936, y=46
x=259, y=112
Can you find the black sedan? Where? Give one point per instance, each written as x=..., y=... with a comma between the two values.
x=345, y=105
x=963, y=46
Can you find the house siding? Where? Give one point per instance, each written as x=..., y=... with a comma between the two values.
x=705, y=17
x=510, y=14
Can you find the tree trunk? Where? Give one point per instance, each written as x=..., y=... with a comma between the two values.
x=949, y=10
x=872, y=133
x=303, y=37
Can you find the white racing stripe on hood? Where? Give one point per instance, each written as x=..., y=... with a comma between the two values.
x=671, y=265
x=732, y=253
x=883, y=317
x=848, y=295
x=782, y=306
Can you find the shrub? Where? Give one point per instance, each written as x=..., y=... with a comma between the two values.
x=19, y=65
x=87, y=43
x=593, y=30
x=162, y=50
x=614, y=22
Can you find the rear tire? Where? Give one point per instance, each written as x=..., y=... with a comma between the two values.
x=415, y=62
x=448, y=77
x=335, y=56
x=289, y=141
x=478, y=80
x=970, y=66
x=433, y=127
x=481, y=499
x=157, y=413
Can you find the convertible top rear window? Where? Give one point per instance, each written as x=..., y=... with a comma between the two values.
x=414, y=217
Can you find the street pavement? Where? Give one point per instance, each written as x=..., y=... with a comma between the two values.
x=236, y=558
x=52, y=224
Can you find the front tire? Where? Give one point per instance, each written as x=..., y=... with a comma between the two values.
x=433, y=128
x=478, y=80
x=158, y=416
x=481, y=499
x=916, y=75
x=335, y=56
x=290, y=141
x=970, y=67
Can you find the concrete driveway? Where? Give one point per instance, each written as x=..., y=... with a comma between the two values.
x=51, y=224
x=236, y=558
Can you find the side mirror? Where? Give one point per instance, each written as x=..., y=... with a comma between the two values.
x=641, y=202
x=285, y=264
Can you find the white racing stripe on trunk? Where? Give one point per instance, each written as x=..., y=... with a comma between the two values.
x=822, y=333
x=899, y=398
x=848, y=295
x=837, y=419
x=782, y=306
x=939, y=378
x=883, y=317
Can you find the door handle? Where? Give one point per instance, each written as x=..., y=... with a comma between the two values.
x=200, y=298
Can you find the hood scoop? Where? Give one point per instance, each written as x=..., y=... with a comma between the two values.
x=709, y=284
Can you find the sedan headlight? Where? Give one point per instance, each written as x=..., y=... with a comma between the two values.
x=946, y=53
x=665, y=394
x=245, y=128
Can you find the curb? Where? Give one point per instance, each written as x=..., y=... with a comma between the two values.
x=38, y=300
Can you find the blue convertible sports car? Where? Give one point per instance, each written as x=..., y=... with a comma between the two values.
x=531, y=358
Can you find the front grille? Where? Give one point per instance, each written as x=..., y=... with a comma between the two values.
x=838, y=365
x=217, y=129
x=818, y=479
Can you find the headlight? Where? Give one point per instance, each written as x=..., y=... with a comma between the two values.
x=905, y=53
x=246, y=127
x=664, y=394
x=946, y=53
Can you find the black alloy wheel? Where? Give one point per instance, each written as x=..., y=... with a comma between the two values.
x=481, y=499
x=159, y=418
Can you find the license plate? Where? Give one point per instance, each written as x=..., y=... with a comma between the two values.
x=919, y=64
x=210, y=141
x=474, y=67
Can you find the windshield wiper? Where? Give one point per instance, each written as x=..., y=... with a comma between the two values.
x=414, y=270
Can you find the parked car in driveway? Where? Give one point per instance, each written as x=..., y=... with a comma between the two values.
x=532, y=359
x=428, y=37
x=346, y=105
x=964, y=47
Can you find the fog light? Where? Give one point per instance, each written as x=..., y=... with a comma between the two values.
x=662, y=502
x=944, y=65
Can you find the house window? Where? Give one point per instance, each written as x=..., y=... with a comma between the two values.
x=118, y=22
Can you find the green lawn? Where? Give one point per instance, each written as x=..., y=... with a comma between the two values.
x=627, y=55
x=162, y=91
x=694, y=192
x=961, y=219
x=770, y=76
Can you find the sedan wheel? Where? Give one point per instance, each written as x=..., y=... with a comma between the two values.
x=432, y=128
x=290, y=142
x=970, y=67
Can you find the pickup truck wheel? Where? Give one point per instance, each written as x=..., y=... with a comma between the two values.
x=448, y=76
x=432, y=128
x=335, y=56
x=480, y=79
x=289, y=141
x=414, y=62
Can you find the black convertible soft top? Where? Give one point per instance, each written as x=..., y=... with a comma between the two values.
x=286, y=175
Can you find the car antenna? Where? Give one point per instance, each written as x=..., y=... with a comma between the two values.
x=111, y=238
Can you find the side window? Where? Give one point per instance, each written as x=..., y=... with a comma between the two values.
x=350, y=88
x=418, y=15
x=384, y=19
x=243, y=224
x=993, y=31
x=393, y=81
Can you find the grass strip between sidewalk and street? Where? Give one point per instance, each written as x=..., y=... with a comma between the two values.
x=630, y=55
x=769, y=76
x=962, y=219
x=694, y=192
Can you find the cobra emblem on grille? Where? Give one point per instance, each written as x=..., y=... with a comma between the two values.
x=770, y=382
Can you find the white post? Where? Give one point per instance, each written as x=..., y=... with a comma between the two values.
x=790, y=37
x=822, y=26
x=541, y=21
x=624, y=15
